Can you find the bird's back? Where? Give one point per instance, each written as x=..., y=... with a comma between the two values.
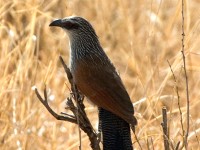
x=97, y=79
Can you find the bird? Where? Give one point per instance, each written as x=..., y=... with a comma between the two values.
x=96, y=77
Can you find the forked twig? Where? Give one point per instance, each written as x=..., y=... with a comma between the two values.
x=44, y=101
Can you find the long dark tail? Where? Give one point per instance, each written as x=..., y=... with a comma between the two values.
x=115, y=131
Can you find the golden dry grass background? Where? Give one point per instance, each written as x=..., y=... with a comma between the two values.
x=138, y=36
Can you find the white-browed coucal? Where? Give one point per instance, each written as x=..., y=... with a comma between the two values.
x=96, y=78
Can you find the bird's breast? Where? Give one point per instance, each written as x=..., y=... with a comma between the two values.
x=80, y=72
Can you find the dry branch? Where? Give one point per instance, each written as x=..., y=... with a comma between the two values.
x=178, y=96
x=44, y=101
x=165, y=129
x=80, y=118
x=186, y=79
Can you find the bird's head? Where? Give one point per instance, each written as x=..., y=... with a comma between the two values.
x=75, y=26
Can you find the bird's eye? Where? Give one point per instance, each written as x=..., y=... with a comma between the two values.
x=71, y=25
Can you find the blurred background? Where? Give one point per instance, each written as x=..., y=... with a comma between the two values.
x=138, y=36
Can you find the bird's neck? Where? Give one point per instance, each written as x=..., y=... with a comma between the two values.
x=86, y=50
x=83, y=47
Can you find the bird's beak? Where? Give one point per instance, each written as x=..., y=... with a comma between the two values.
x=57, y=23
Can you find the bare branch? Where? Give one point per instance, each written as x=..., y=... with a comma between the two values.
x=186, y=79
x=177, y=145
x=165, y=128
x=179, y=106
x=78, y=111
x=178, y=96
x=45, y=103
x=67, y=71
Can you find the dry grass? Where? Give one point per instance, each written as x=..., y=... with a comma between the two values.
x=139, y=37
